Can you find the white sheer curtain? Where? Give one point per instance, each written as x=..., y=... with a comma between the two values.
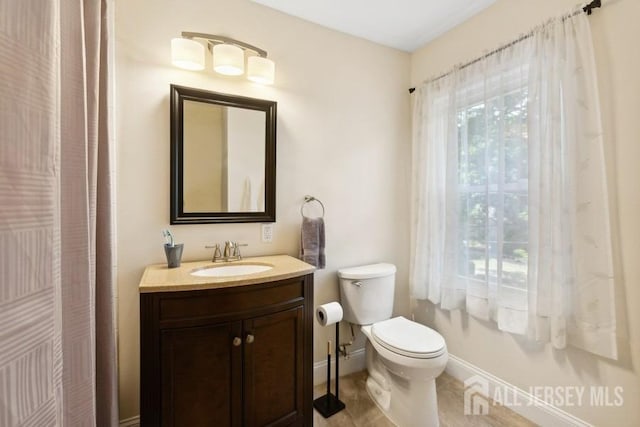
x=57, y=313
x=510, y=218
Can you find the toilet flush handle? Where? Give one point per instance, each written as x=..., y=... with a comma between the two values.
x=356, y=283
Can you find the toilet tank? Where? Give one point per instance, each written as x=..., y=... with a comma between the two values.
x=366, y=292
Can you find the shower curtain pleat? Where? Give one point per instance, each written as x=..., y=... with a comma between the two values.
x=57, y=293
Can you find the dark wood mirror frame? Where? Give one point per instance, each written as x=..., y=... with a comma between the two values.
x=179, y=94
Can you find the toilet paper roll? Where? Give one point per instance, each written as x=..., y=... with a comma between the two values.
x=330, y=313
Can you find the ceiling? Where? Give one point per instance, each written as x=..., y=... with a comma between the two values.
x=401, y=24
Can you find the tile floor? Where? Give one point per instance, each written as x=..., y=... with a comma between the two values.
x=360, y=410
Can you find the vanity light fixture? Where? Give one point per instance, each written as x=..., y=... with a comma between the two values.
x=228, y=56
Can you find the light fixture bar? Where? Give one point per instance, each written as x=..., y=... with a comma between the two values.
x=213, y=39
x=229, y=57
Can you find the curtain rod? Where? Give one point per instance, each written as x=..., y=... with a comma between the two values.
x=587, y=9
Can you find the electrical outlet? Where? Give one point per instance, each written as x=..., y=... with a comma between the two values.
x=267, y=233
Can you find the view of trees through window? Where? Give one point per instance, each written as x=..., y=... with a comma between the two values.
x=492, y=189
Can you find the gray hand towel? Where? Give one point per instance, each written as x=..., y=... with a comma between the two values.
x=312, y=242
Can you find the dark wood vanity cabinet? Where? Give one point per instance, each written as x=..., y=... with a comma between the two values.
x=232, y=356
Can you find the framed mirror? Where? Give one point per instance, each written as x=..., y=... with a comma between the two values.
x=223, y=158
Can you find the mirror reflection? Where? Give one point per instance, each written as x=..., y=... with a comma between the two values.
x=222, y=157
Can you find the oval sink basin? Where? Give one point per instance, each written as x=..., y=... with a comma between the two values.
x=231, y=270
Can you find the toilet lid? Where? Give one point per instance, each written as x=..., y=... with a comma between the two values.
x=408, y=338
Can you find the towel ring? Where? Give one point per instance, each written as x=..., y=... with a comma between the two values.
x=308, y=199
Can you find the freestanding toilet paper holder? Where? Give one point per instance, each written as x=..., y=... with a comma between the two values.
x=330, y=404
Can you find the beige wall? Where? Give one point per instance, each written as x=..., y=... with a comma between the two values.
x=616, y=33
x=343, y=136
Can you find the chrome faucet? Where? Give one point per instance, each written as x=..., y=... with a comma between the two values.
x=231, y=252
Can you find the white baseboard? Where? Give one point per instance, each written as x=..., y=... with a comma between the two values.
x=519, y=400
x=540, y=413
x=130, y=422
x=355, y=363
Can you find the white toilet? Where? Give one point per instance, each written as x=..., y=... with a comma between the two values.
x=403, y=357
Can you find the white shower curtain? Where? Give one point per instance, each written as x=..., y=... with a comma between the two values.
x=57, y=313
x=517, y=130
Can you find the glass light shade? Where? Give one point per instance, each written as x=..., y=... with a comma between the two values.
x=228, y=59
x=187, y=54
x=261, y=70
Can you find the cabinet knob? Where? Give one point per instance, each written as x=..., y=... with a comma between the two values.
x=237, y=341
x=250, y=338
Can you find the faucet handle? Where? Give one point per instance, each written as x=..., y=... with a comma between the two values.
x=216, y=252
x=236, y=249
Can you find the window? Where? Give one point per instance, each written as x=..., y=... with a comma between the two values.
x=510, y=210
x=492, y=189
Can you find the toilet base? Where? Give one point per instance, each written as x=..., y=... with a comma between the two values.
x=380, y=396
x=405, y=402
x=400, y=406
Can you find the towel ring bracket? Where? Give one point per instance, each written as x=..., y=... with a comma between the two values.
x=308, y=199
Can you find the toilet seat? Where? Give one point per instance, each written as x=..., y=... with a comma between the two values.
x=407, y=338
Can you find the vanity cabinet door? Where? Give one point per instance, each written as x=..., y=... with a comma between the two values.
x=273, y=369
x=239, y=356
x=202, y=375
